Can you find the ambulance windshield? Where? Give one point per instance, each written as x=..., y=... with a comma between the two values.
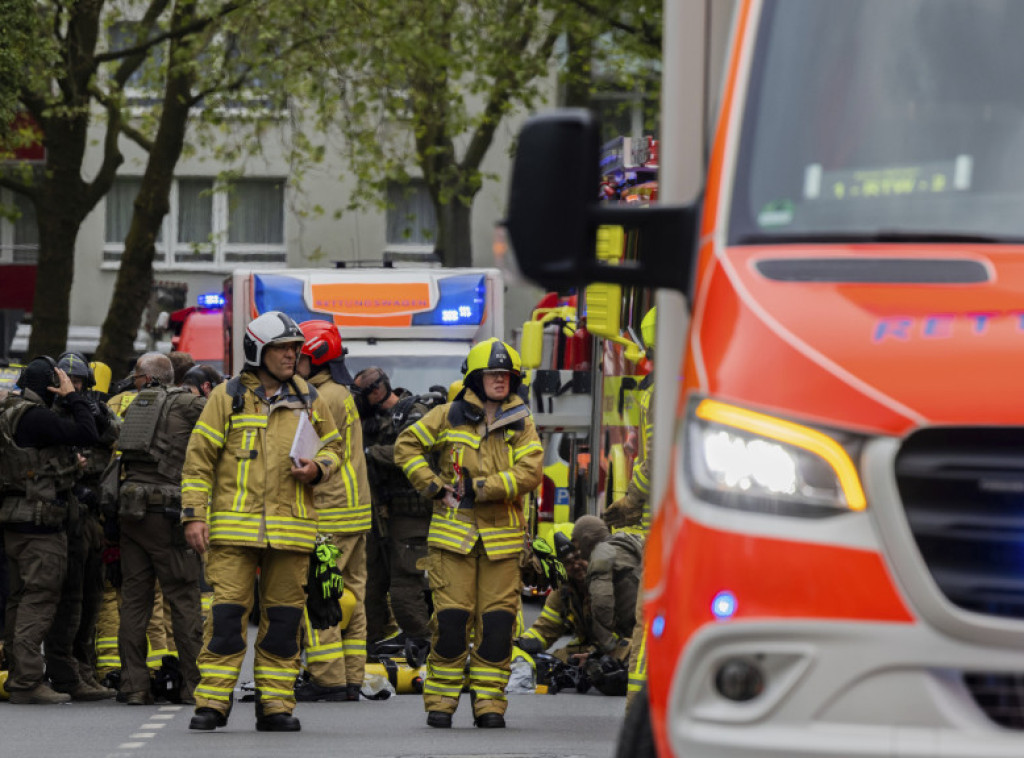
x=875, y=120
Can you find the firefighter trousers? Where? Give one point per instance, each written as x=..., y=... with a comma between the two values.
x=231, y=571
x=637, y=653
x=38, y=563
x=471, y=592
x=335, y=657
x=154, y=549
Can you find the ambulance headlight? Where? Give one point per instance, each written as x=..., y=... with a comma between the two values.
x=752, y=461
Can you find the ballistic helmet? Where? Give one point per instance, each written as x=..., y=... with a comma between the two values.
x=74, y=365
x=270, y=328
x=39, y=374
x=587, y=532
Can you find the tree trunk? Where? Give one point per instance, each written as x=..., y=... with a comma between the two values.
x=135, y=276
x=454, y=234
x=60, y=210
x=54, y=274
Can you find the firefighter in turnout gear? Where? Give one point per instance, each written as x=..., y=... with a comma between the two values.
x=152, y=447
x=38, y=471
x=487, y=455
x=633, y=511
x=336, y=660
x=247, y=505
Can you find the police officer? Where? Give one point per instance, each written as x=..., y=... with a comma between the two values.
x=152, y=446
x=404, y=511
x=596, y=604
x=249, y=507
x=632, y=511
x=486, y=454
x=38, y=470
x=71, y=645
x=614, y=564
x=336, y=660
x=566, y=612
x=159, y=634
x=201, y=379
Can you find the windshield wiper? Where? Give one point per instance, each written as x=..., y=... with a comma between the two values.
x=880, y=235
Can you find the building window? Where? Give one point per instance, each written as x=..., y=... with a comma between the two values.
x=144, y=88
x=411, y=223
x=205, y=228
x=19, y=240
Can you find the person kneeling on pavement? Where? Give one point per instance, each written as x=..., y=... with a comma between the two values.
x=596, y=605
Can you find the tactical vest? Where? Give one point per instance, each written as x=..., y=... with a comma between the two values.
x=35, y=483
x=393, y=487
x=145, y=437
x=98, y=456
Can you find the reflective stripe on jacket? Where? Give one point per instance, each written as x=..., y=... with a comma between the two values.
x=499, y=463
x=343, y=504
x=237, y=468
x=638, y=491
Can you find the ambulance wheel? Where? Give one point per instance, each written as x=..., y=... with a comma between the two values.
x=636, y=739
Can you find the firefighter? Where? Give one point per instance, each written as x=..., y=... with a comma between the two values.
x=632, y=511
x=487, y=454
x=70, y=646
x=336, y=660
x=38, y=470
x=153, y=440
x=248, y=506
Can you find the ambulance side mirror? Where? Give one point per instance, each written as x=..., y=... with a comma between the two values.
x=554, y=214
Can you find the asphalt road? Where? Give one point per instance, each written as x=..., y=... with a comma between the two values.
x=549, y=726
x=566, y=725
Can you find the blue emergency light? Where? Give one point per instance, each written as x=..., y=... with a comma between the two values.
x=460, y=301
x=211, y=300
x=724, y=605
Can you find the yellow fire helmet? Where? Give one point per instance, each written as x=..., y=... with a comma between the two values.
x=647, y=327
x=454, y=389
x=101, y=371
x=493, y=354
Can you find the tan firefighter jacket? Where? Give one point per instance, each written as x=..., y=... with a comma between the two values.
x=635, y=503
x=237, y=469
x=494, y=465
x=343, y=503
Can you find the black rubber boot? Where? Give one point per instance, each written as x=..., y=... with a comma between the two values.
x=310, y=692
x=490, y=721
x=207, y=719
x=439, y=719
x=278, y=722
x=352, y=691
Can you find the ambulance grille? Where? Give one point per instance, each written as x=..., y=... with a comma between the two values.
x=1000, y=696
x=963, y=493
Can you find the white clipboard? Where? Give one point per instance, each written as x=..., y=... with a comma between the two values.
x=306, y=443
